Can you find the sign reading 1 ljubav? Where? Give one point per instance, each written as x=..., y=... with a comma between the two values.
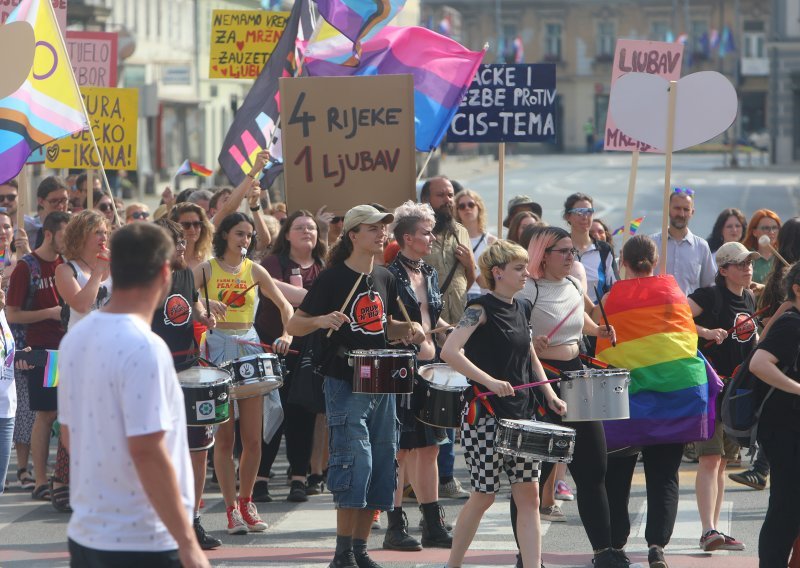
x=508, y=103
x=640, y=56
x=60, y=7
x=347, y=141
x=114, y=121
x=242, y=41
x=94, y=58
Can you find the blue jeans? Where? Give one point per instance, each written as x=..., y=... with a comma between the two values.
x=447, y=455
x=6, y=434
x=363, y=436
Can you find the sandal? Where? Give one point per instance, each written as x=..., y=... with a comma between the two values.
x=26, y=480
x=41, y=493
x=59, y=496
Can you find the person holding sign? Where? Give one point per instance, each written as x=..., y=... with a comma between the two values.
x=357, y=302
x=232, y=279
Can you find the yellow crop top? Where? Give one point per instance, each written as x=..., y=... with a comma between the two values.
x=224, y=286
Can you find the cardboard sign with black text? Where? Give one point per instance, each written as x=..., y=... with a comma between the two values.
x=348, y=141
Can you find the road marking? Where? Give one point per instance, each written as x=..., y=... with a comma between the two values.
x=687, y=523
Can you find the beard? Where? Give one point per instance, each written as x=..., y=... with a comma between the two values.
x=444, y=220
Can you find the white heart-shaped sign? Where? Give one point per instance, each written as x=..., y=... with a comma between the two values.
x=17, y=38
x=706, y=106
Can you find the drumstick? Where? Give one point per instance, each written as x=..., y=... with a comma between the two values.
x=558, y=326
x=208, y=310
x=347, y=300
x=741, y=323
x=438, y=329
x=518, y=387
x=240, y=294
x=265, y=346
x=603, y=313
x=765, y=241
x=405, y=314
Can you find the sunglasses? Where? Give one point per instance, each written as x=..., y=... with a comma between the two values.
x=582, y=211
x=683, y=191
x=467, y=205
x=140, y=214
x=104, y=207
x=370, y=284
x=191, y=225
x=11, y=198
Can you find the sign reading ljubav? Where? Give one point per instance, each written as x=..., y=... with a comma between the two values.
x=348, y=140
x=508, y=103
x=638, y=56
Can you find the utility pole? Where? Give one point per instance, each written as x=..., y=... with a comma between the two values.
x=498, y=24
x=738, y=37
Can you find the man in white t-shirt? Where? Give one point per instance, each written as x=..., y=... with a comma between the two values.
x=123, y=420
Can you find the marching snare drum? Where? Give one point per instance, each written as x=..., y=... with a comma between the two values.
x=206, y=395
x=596, y=394
x=382, y=371
x=254, y=375
x=443, y=402
x=540, y=441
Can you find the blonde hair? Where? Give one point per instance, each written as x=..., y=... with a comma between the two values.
x=499, y=254
x=79, y=228
x=202, y=249
x=134, y=207
x=481, y=207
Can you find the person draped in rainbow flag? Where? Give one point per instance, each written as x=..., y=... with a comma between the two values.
x=671, y=396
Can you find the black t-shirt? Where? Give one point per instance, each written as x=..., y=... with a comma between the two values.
x=734, y=310
x=782, y=409
x=373, y=300
x=172, y=322
x=502, y=348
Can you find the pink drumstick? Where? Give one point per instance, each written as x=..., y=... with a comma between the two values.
x=558, y=326
x=518, y=387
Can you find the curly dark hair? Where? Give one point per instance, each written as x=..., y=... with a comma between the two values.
x=220, y=242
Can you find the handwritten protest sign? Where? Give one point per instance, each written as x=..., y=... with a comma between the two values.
x=94, y=58
x=60, y=7
x=348, y=140
x=113, y=118
x=638, y=56
x=508, y=103
x=242, y=41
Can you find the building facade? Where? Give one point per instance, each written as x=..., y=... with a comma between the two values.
x=784, y=100
x=579, y=36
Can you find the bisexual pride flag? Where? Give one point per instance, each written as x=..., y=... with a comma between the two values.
x=671, y=396
x=442, y=70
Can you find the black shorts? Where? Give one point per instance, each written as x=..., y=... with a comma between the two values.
x=41, y=397
x=83, y=557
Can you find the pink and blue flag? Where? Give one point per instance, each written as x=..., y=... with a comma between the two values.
x=442, y=70
x=359, y=20
x=51, y=369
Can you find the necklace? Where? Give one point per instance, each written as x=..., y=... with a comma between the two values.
x=228, y=267
x=87, y=265
x=415, y=265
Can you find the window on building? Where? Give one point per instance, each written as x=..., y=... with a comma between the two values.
x=552, y=42
x=754, y=40
x=606, y=36
x=659, y=30
x=698, y=39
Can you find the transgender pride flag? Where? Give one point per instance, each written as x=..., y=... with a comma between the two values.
x=442, y=70
x=671, y=396
x=359, y=20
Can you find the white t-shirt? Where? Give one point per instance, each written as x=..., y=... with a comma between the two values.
x=116, y=381
x=8, y=390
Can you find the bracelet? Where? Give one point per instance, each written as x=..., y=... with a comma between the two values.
x=255, y=208
x=251, y=176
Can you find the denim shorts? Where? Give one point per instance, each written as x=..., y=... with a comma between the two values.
x=363, y=435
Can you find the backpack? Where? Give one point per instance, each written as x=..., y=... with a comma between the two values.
x=35, y=269
x=602, y=278
x=743, y=402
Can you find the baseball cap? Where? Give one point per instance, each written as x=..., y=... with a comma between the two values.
x=522, y=201
x=361, y=214
x=734, y=253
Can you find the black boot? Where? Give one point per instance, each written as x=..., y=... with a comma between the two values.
x=397, y=537
x=434, y=532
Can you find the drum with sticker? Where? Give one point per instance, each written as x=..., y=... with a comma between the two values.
x=382, y=371
x=206, y=395
x=254, y=375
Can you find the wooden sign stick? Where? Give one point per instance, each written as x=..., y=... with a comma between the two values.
x=673, y=97
x=501, y=164
x=89, y=189
x=629, y=204
x=347, y=300
x=424, y=165
x=23, y=196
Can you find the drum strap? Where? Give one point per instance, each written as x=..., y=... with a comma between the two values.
x=483, y=400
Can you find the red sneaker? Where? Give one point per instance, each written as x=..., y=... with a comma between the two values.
x=712, y=540
x=731, y=543
x=235, y=522
x=250, y=515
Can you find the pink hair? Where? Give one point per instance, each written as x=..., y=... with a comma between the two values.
x=540, y=242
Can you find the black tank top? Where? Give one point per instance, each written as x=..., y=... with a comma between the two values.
x=501, y=348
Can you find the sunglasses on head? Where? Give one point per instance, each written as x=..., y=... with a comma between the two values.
x=581, y=211
x=467, y=205
x=191, y=224
x=140, y=214
x=683, y=191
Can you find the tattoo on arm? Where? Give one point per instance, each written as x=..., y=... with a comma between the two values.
x=470, y=318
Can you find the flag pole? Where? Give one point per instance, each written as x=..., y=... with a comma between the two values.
x=673, y=97
x=629, y=203
x=501, y=182
x=23, y=196
x=424, y=165
x=88, y=122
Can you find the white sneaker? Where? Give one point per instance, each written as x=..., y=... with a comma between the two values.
x=554, y=514
x=452, y=490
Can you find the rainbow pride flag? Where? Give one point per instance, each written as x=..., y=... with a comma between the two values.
x=51, y=369
x=634, y=227
x=671, y=394
x=192, y=168
x=48, y=104
x=442, y=70
x=359, y=20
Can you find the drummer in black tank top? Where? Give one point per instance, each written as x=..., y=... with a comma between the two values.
x=497, y=355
